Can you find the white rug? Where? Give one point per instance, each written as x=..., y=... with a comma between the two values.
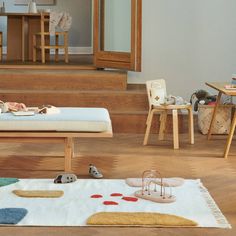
x=76, y=205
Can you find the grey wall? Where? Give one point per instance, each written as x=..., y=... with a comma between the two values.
x=80, y=10
x=188, y=42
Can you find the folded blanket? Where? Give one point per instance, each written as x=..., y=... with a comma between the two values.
x=63, y=20
x=12, y=106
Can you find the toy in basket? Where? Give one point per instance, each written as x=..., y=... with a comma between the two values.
x=151, y=181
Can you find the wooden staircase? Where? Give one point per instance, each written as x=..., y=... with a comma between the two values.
x=127, y=104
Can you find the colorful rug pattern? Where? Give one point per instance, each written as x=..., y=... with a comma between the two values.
x=86, y=197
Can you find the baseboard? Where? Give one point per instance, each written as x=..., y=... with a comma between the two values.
x=72, y=50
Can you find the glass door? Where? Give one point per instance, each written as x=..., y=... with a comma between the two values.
x=117, y=34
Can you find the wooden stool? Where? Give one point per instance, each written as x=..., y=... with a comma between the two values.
x=44, y=45
x=1, y=46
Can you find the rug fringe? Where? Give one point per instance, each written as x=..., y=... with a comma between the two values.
x=220, y=218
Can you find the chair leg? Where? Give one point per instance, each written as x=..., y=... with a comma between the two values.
x=148, y=116
x=66, y=47
x=56, y=50
x=175, y=129
x=43, y=55
x=230, y=136
x=191, y=125
x=163, y=119
x=149, y=124
x=34, y=48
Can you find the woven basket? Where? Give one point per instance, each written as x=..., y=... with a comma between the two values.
x=222, y=120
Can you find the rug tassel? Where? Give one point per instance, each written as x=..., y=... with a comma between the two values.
x=220, y=218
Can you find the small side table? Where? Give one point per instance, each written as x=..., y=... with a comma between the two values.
x=220, y=87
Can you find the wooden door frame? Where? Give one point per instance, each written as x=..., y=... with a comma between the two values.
x=121, y=60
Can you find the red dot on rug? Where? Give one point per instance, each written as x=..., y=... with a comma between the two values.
x=116, y=195
x=110, y=203
x=96, y=196
x=130, y=199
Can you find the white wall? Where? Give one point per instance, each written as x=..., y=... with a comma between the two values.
x=188, y=42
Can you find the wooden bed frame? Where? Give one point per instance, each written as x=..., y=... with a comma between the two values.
x=65, y=138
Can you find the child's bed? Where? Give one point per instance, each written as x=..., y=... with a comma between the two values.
x=62, y=128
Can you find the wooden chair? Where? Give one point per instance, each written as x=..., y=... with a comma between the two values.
x=1, y=46
x=44, y=37
x=156, y=90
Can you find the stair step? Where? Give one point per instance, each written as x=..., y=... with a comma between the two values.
x=135, y=122
x=127, y=104
x=63, y=79
x=112, y=100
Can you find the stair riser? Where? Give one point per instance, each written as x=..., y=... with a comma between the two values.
x=70, y=81
x=112, y=101
x=129, y=123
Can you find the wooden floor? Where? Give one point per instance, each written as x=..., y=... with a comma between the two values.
x=74, y=60
x=124, y=156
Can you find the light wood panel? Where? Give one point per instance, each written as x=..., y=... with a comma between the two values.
x=63, y=80
x=14, y=37
x=112, y=100
x=124, y=156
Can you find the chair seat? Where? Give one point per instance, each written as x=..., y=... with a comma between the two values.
x=171, y=107
x=48, y=33
x=51, y=47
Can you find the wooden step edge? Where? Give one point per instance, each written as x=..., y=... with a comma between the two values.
x=70, y=91
x=61, y=71
x=113, y=112
x=48, y=67
x=143, y=112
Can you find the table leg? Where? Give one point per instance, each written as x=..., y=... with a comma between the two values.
x=230, y=136
x=214, y=115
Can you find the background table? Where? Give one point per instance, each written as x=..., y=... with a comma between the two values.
x=20, y=30
x=220, y=87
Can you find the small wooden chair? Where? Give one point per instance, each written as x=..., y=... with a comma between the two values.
x=157, y=89
x=44, y=44
x=1, y=46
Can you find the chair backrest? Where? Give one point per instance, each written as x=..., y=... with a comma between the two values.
x=156, y=90
x=44, y=19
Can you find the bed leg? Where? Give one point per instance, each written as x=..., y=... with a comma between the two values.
x=68, y=153
x=73, y=148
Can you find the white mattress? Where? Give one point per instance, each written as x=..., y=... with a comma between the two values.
x=69, y=119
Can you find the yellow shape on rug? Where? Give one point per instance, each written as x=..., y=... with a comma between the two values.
x=139, y=219
x=38, y=193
